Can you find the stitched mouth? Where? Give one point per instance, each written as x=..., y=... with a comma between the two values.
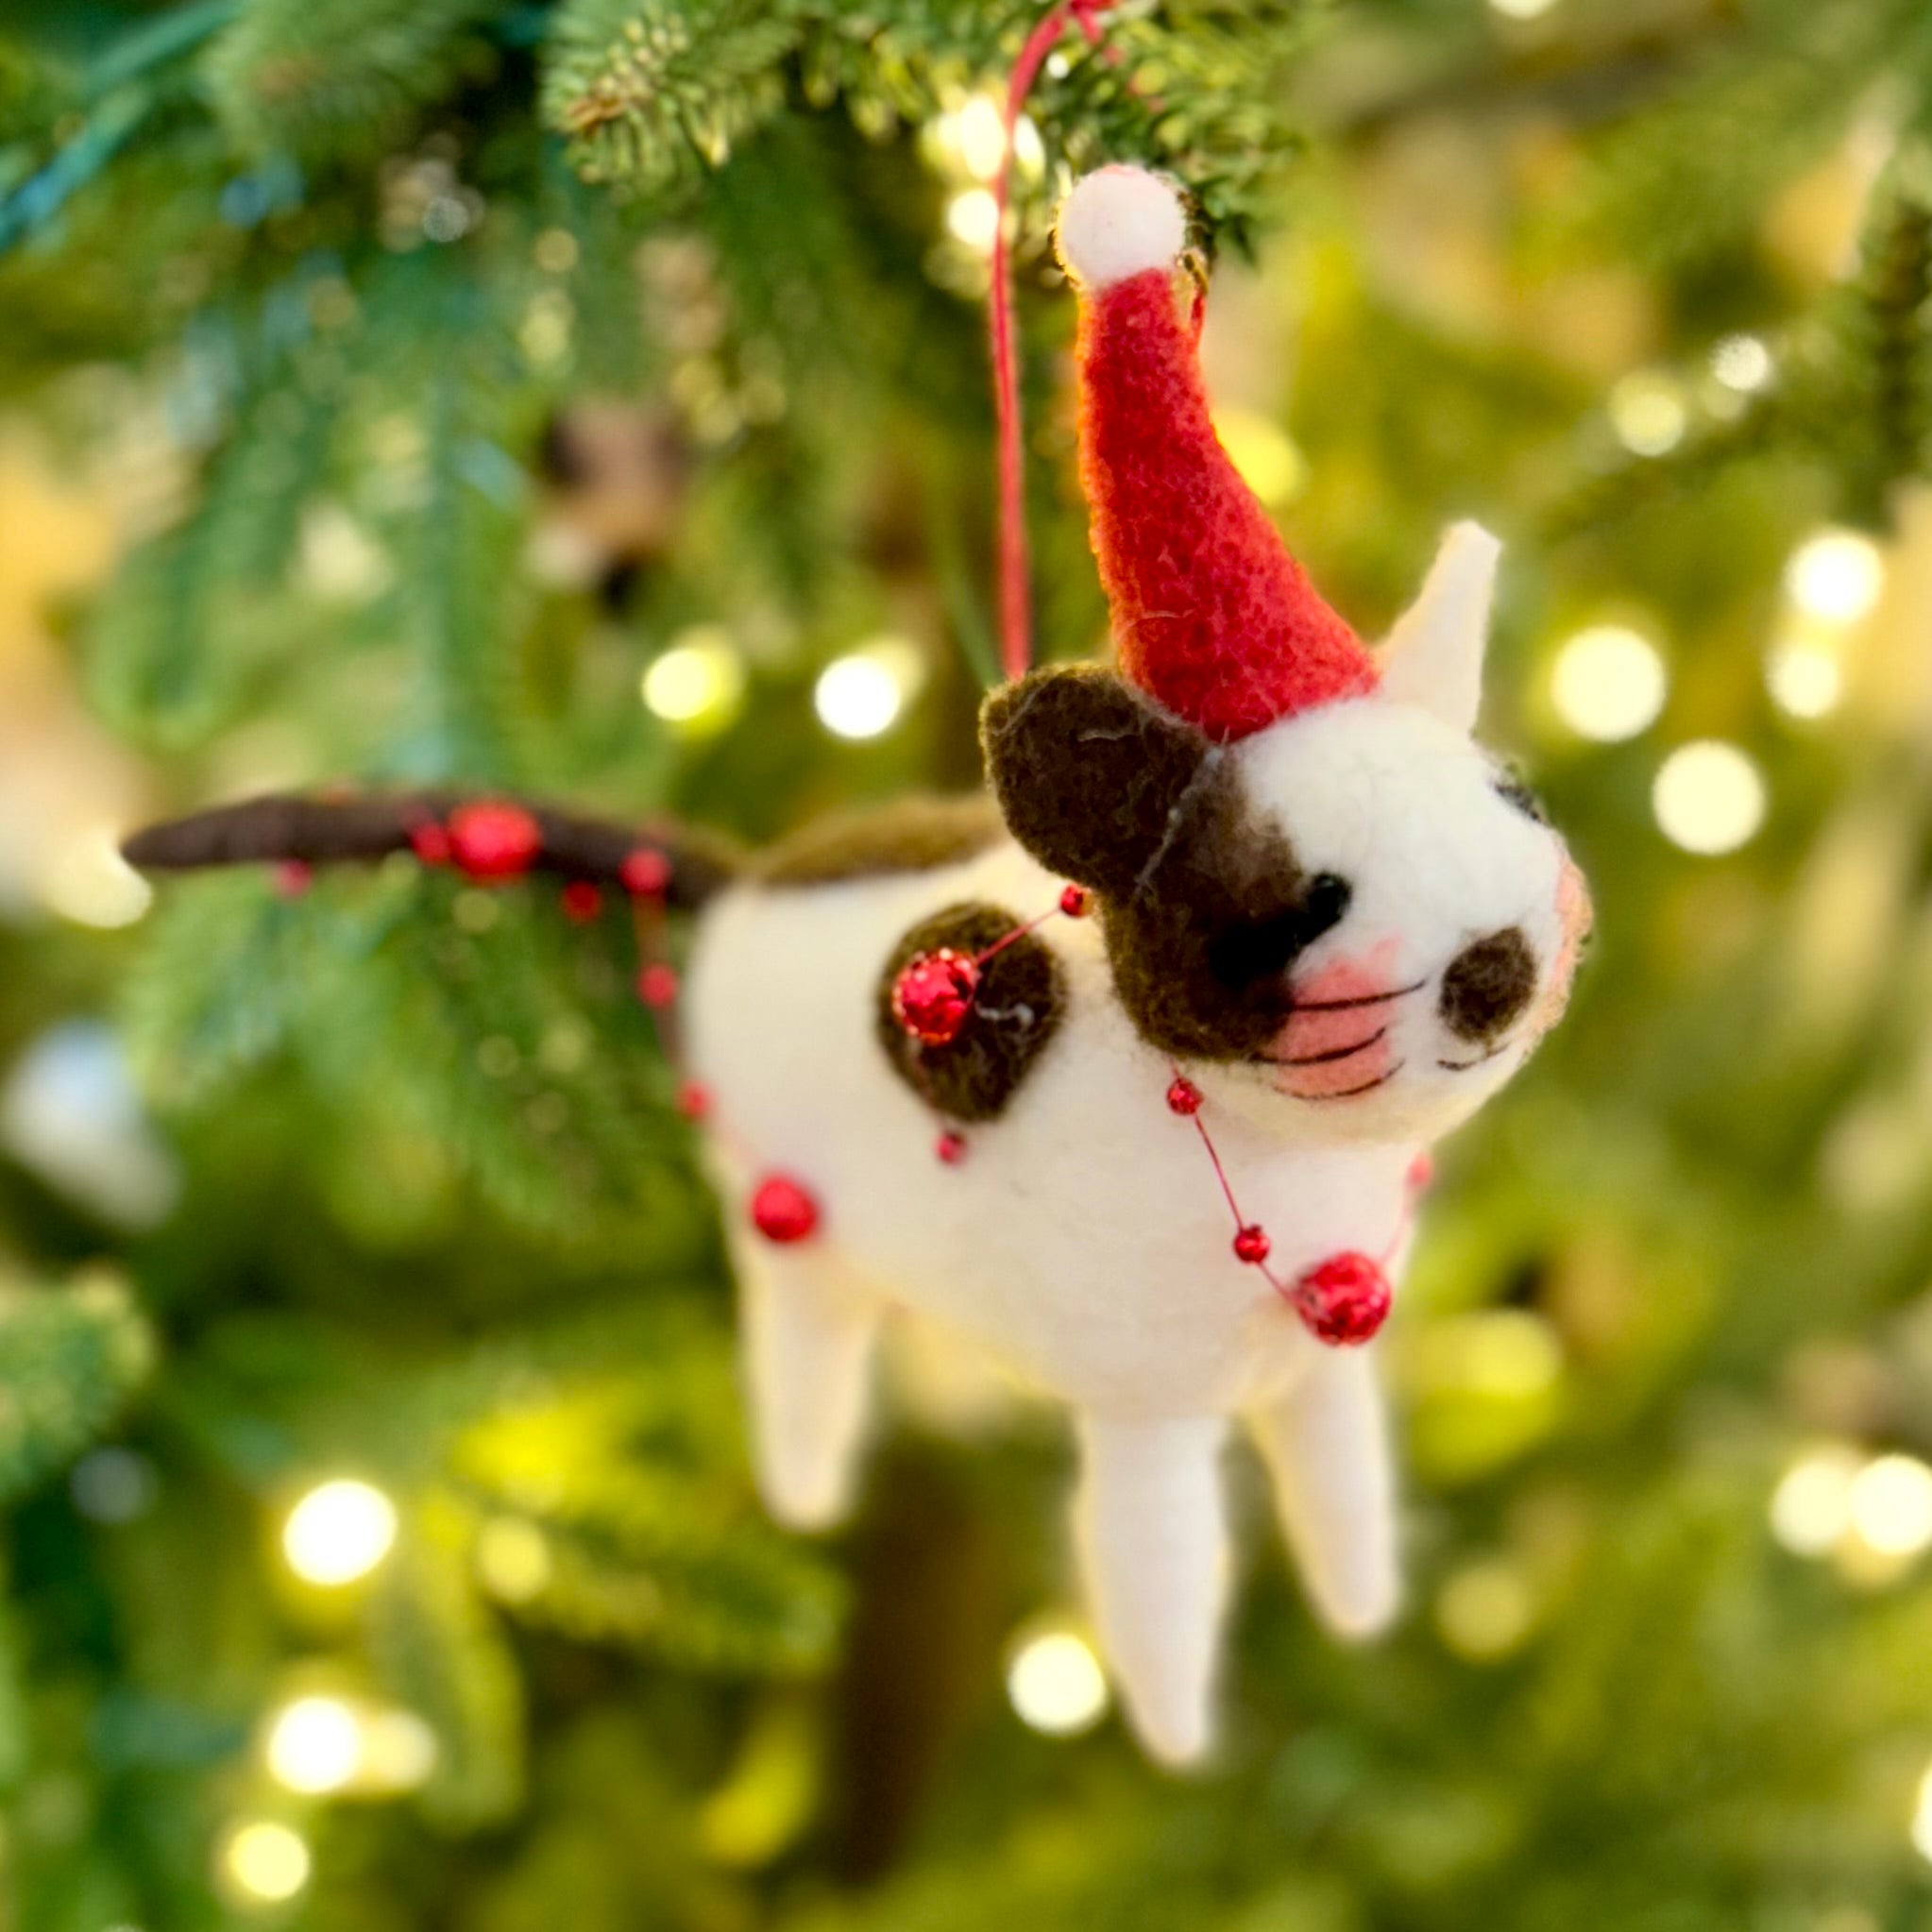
x=1382, y=1080
x=1322, y=1060
x=1365, y=999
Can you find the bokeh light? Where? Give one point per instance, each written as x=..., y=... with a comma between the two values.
x=1708, y=797
x=972, y=217
x=861, y=694
x=264, y=1861
x=86, y=879
x=513, y=1558
x=697, y=681
x=340, y=1531
x=1741, y=363
x=1263, y=451
x=1922, y=1817
x=981, y=136
x=1803, y=677
x=1649, y=413
x=1608, y=683
x=1056, y=1684
x=315, y=1745
x=1811, y=1507
x=1890, y=1505
x=1836, y=576
x=1485, y=1610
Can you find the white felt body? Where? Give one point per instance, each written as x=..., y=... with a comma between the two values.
x=1084, y=1240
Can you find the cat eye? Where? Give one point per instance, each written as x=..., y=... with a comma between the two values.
x=1509, y=786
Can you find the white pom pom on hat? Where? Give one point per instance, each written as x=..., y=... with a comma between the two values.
x=1119, y=222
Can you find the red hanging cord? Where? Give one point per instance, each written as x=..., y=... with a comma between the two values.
x=1016, y=627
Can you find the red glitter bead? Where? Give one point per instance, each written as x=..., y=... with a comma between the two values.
x=1072, y=901
x=694, y=1100
x=1183, y=1096
x=429, y=842
x=491, y=840
x=1344, y=1301
x=1421, y=1172
x=582, y=902
x=951, y=1148
x=933, y=996
x=782, y=1210
x=645, y=873
x=657, y=985
x=293, y=877
x=1251, y=1245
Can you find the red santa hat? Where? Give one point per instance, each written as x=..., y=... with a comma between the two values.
x=1211, y=615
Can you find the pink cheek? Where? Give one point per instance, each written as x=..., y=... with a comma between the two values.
x=1575, y=916
x=1343, y=1046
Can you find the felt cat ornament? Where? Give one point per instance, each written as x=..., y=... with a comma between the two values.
x=1130, y=1079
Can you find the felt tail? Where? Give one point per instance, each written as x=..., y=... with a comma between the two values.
x=325, y=831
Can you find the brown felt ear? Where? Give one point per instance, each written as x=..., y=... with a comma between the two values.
x=1089, y=773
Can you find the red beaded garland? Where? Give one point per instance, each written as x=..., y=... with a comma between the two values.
x=694, y=1100
x=933, y=995
x=657, y=985
x=1183, y=1096
x=582, y=902
x=492, y=840
x=645, y=873
x=1072, y=901
x=293, y=877
x=951, y=1148
x=1251, y=1245
x=784, y=1211
x=1344, y=1301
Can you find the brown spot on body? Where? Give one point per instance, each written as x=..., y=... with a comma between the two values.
x=911, y=835
x=1017, y=1007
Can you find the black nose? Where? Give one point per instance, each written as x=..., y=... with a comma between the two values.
x=1487, y=985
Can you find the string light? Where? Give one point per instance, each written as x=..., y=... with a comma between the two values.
x=1608, y=683
x=1521, y=10
x=861, y=694
x=338, y=1532
x=1647, y=411
x=1708, y=797
x=1890, y=1502
x=315, y=1745
x=1057, y=1684
x=697, y=681
x=1836, y=576
x=264, y=1861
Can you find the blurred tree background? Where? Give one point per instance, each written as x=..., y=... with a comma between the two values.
x=590, y=400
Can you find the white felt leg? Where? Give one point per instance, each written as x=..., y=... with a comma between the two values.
x=1153, y=1544
x=807, y=1340
x=1326, y=1443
